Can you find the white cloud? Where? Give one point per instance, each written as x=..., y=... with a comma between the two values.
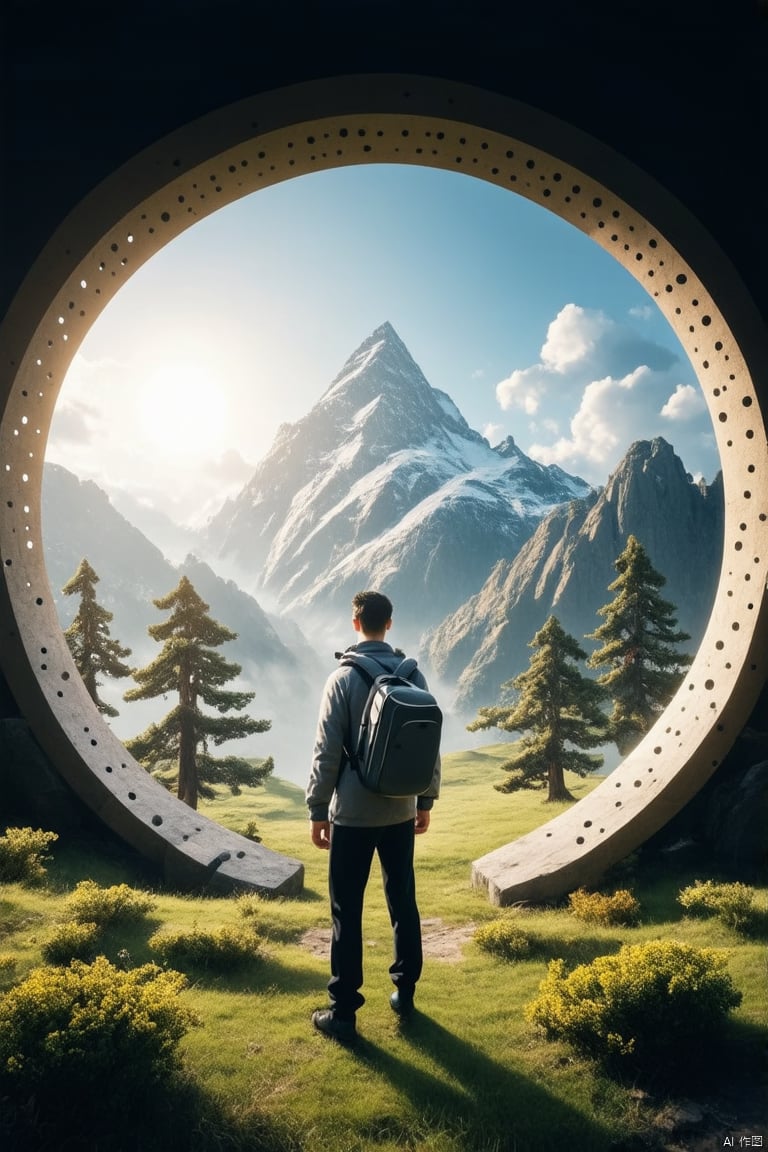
x=494, y=433
x=524, y=388
x=684, y=403
x=572, y=337
x=74, y=423
x=600, y=428
x=78, y=417
x=642, y=312
x=581, y=345
x=599, y=386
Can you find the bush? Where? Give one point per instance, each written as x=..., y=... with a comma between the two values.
x=7, y=969
x=251, y=832
x=76, y=940
x=652, y=1005
x=597, y=908
x=89, y=903
x=90, y=1032
x=24, y=854
x=731, y=903
x=249, y=905
x=503, y=938
x=222, y=949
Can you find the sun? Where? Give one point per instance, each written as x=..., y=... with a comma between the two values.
x=184, y=409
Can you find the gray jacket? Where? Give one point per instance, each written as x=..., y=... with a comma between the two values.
x=343, y=799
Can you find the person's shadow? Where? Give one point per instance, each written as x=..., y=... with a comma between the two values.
x=480, y=1102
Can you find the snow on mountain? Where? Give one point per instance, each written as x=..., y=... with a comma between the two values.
x=383, y=483
x=565, y=568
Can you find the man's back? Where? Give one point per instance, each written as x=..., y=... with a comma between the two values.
x=341, y=709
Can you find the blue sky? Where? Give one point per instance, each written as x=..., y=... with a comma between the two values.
x=242, y=322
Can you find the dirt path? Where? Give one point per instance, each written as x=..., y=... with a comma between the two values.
x=440, y=941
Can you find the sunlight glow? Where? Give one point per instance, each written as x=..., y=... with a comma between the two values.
x=184, y=409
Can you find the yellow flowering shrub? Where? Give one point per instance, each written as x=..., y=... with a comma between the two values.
x=24, y=854
x=503, y=938
x=649, y=1004
x=7, y=968
x=220, y=949
x=65, y=1031
x=249, y=905
x=74, y=940
x=90, y=903
x=732, y=903
x=620, y=908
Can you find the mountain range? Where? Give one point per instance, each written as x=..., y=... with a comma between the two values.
x=382, y=484
x=567, y=564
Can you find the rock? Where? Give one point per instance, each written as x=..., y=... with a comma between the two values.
x=728, y=817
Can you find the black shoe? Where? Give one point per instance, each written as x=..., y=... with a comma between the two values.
x=401, y=1002
x=329, y=1024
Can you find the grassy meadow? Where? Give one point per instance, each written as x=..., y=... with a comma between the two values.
x=467, y=1073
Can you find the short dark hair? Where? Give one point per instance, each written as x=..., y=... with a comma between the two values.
x=372, y=609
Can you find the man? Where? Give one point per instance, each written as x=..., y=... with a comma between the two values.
x=353, y=823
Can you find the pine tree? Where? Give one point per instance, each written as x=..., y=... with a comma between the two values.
x=95, y=652
x=188, y=666
x=639, y=647
x=558, y=709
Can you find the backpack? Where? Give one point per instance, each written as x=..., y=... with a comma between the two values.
x=398, y=741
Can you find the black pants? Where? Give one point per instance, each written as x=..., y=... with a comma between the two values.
x=351, y=856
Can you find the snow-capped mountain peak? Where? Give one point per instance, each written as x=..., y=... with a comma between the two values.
x=382, y=483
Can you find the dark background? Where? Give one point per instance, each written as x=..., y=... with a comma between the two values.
x=679, y=88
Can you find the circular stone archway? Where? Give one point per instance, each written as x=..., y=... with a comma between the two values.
x=386, y=119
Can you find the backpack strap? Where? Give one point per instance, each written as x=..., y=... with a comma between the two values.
x=368, y=666
x=351, y=659
x=371, y=668
x=406, y=668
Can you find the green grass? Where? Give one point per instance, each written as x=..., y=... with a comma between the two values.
x=467, y=1074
